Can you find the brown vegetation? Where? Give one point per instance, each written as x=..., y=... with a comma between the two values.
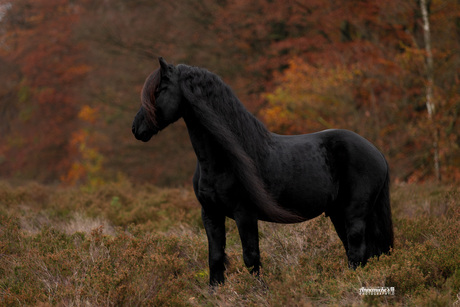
x=122, y=244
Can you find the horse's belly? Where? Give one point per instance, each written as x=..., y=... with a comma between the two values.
x=307, y=192
x=307, y=203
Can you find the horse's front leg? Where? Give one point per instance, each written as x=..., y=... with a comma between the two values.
x=214, y=223
x=249, y=233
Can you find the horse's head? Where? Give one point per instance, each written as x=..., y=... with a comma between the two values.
x=160, y=97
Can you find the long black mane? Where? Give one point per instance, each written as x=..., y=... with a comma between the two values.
x=215, y=101
x=241, y=134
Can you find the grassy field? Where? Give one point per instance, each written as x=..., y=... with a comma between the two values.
x=127, y=245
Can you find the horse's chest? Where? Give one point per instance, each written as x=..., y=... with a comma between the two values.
x=214, y=188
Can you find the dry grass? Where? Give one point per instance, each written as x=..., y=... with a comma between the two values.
x=141, y=245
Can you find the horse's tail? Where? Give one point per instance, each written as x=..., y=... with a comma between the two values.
x=379, y=228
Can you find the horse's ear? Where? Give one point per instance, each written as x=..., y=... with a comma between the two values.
x=164, y=66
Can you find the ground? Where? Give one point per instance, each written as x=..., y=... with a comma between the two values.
x=126, y=244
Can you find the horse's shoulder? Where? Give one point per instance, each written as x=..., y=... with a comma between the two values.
x=211, y=181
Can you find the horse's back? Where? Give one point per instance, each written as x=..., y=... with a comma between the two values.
x=339, y=148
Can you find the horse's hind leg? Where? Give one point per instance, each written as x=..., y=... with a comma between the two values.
x=338, y=219
x=249, y=234
x=355, y=215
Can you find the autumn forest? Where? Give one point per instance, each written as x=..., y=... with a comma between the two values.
x=71, y=72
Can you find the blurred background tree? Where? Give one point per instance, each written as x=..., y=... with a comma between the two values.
x=71, y=72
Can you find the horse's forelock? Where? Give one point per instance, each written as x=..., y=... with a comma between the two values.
x=148, y=95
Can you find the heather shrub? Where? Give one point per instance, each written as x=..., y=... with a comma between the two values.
x=121, y=244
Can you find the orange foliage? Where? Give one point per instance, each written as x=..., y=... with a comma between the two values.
x=88, y=163
x=88, y=114
x=39, y=41
x=370, y=79
x=71, y=71
x=310, y=98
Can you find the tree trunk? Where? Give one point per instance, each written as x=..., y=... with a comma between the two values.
x=430, y=105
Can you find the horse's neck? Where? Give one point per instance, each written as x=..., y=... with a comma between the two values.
x=202, y=140
x=213, y=140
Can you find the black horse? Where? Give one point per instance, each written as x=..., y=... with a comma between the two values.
x=248, y=174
